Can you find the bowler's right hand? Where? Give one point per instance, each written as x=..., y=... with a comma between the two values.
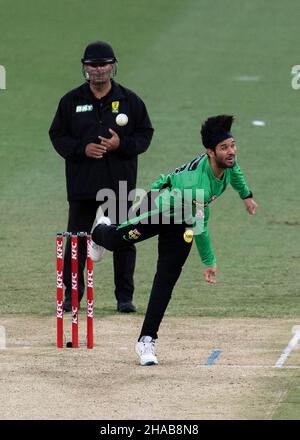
x=210, y=274
x=95, y=151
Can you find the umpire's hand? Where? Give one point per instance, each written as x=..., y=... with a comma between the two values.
x=210, y=274
x=95, y=151
x=112, y=143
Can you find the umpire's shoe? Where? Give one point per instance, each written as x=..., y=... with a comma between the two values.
x=126, y=307
x=145, y=349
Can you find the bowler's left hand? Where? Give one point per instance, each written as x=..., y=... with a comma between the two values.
x=111, y=144
x=251, y=206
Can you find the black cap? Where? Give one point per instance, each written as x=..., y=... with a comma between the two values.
x=100, y=52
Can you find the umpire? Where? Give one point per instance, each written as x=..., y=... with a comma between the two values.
x=98, y=155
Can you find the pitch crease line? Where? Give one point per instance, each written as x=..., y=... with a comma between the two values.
x=288, y=349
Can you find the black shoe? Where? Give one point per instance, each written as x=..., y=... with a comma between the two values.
x=68, y=306
x=126, y=307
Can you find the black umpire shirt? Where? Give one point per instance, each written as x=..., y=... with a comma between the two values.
x=80, y=119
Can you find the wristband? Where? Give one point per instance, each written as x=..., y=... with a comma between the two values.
x=250, y=196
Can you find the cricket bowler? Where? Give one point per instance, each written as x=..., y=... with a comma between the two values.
x=208, y=174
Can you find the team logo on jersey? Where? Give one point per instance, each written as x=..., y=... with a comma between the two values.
x=115, y=106
x=84, y=108
x=199, y=209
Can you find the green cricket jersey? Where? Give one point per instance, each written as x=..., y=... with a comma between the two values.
x=194, y=175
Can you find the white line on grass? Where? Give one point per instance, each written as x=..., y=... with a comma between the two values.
x=247, y=78
x=289, y=348
x=2, y=338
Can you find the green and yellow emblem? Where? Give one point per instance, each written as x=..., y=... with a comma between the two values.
x=115, y=106
x=134, y=234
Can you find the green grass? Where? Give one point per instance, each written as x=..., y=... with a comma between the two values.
x=182, y=57
x=290, y=404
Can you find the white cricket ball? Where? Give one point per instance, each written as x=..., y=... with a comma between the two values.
x=122, y=119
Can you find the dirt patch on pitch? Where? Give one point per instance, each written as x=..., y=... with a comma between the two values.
x=39, y=381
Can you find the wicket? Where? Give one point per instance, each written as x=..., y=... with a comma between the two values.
x=74, y=298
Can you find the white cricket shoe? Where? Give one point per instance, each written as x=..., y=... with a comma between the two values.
x=96, y=251
x=145, y=349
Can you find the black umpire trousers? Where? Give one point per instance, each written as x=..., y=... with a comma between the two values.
x=173, y=251
x=81, y=218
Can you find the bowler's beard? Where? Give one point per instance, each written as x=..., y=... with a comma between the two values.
x=223, y=164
